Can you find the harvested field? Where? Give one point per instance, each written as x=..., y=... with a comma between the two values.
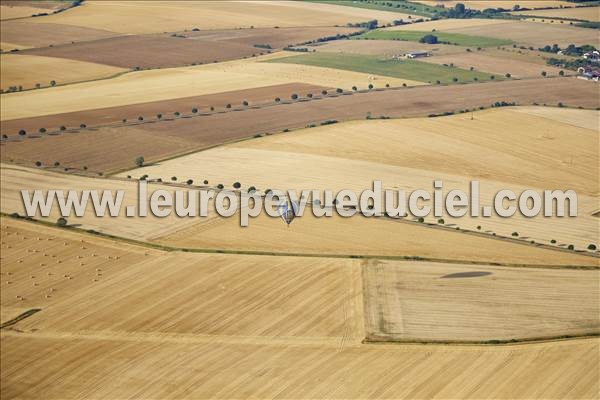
x=228, y=295
x=307, y=235
x=524, y=33
x=407, y=301
x=159, y=51
x=483, y=4
x=446, y=147
x=109, y=366
x=277, y=38
x=415, y=71
x=377, y=237
x=576, y=13
x=184, y=105
x=33, y=33
x=496, y=62
x=152, y=16
x=385, y=48
x=13, y=180
x=219, y=128
x=155, y=85
x=28, y=71
x=11, y=9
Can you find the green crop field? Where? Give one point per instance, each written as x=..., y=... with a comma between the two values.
x=404, y=69
x=443, y=37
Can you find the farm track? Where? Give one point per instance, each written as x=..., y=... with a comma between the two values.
x=116, y=147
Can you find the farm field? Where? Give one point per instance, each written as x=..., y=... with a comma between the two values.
x=185, y=48
x=28, y=71
x=578, y=13
x=407, y=301
x=111, y=288
x=115, y=148
x=483, y=4
x=401, y=69
x=385, y=48
x=291, y=161
x=27, y=33
x=159, y=16
x=167, y=84
x=524, y=33
x=232, y=370
x=497, y=62
x=443, y=37
x=11, y=9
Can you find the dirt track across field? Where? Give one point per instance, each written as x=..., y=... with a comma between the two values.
x=204, y=131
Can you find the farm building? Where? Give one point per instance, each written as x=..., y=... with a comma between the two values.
x=417, y=54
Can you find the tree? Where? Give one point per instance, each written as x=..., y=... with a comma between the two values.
x=354, y=88
x=309, y=95
x=63, y=128
x=194, y=110
x=455, y=79
x=237, y=185
x=85, y=168
x=561, y=73
x=440, y=221
x=421, y=219
x=324, y=92
x=38, y=163
x=294, y=96
x=571, y=247
x=245, y=103
x=553, y=241
x=189, y=181
x=140, y=118
x=174, y=178
x=508, y=75
x=591, y=247
x=220, y=186
x=459, y=8
x=544, y=73
x=205, y=182
x=4, y=136
x=515, y=234
x=52, y=83
x=61, y=222
x=338, y=90
x=22, y=132
x=228, y=106
x=492, y=77
x=140, y=161
x=277, y=99
x=251, y=189
x=83, y=126
x=56, y=164
x=370, y=86
x=42, y=130
x=176, y=113
x=429, y=39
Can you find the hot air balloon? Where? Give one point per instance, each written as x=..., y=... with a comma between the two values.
x=287, y=210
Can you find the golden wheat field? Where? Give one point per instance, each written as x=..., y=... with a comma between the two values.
x=156, y=266
x=483, y=4
x=578, y=13
x=407, y=301
x=30, y=71
x=259, y=332
x=411, y=153
x=158, y=16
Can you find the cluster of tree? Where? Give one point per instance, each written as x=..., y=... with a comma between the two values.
x=372, y=24
x=263, y=46
x=569, y=64
x=429, y=39
x=571, y=50
x=589, y=24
